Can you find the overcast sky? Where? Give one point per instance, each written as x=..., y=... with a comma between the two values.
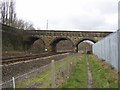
x=70, y=14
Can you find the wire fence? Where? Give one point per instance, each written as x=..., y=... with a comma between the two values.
x=49, y=76
x=108, y=49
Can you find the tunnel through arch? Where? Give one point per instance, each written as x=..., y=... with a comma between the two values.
x=85, y=40
x=57, y=40
x=34, y=44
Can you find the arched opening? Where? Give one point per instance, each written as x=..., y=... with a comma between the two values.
x=62, y=45
x=34, y=45
x=85, y=44
x=38, y=46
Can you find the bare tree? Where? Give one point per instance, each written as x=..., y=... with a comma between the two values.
x=8, y=16
x=3, y=13
x=6, y=12
x=19, y=24
x=12, y=13
x=28, y=26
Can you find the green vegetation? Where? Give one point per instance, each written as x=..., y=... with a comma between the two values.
x=11, y=39
x=79, y=77
x=103, y=75
x=43, y=80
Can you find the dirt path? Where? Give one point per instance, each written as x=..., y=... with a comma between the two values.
x=90, y=79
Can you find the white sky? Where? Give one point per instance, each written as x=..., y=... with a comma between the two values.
x=70, y=14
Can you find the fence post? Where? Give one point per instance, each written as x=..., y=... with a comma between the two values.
x=71, y=67
x=86, y=53
x=13, y=79
x=68, y=68
x=53, y=73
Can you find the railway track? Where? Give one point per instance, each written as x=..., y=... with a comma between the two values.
x=19, y=68
x=27, y=57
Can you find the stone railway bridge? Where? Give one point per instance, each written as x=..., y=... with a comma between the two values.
x=50, y=38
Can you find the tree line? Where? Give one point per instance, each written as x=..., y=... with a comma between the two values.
x=9, y=16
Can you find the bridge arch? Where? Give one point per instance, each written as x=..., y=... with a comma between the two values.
x=31, y=40
x=84, y=39
x=56, y=40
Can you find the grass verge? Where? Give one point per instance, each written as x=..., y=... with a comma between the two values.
x=43, y=80
x=79, y=77
x=103, y=75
